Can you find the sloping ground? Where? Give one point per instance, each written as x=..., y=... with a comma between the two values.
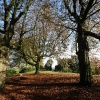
x=49, y=87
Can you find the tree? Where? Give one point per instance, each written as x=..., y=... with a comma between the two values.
x=82, y=18
x=62, y=65
x=48, y=65
x=11, y=12
x=79, y=12
x=44, y=40
x=16, y=59
x=42, y=43
x=73, y=63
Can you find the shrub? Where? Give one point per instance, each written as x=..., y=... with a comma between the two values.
x=63, y=68
x=26, y=69
x=66, y=69
x=92, y=68
x=74, y=67
x=58, y=68
x=97, y=70
x=48, y=65
x=12, y=71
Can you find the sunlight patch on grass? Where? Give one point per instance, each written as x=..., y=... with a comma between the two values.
x=53, y=72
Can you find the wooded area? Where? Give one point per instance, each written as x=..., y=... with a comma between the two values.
x=31, y=30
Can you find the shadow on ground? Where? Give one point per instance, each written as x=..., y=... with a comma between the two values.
x=48, y=87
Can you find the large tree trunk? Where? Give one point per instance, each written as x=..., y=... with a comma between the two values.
x=83, y=57
x=3, y=65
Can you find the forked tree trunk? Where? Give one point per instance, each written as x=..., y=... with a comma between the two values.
x=3, y=65
x=83, y=57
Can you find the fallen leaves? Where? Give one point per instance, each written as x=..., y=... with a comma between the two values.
x=49, y=87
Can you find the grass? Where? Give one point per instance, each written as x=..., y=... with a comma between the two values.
x=15, y=72
x=48, y=72
x=53, y=72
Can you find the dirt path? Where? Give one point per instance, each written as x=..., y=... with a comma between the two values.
x=49, y=87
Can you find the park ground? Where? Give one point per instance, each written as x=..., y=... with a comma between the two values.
x=49, y=86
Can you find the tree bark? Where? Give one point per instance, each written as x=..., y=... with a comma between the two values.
x=83, y=57
x=37, y=66
x=3, y=65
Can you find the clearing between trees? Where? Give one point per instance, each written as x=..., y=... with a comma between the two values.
x=49, y=87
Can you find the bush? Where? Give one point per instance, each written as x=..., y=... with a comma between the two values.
x=48, y=67
x=12, y=71
x=26, y=69
x=74, y=67
x=63, y=65
x=62, y=68
x=92, y=68
x=42, y=67
x=58, y=68
x=97, y=70
x=66, y=69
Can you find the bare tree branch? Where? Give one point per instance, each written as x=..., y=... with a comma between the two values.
x=92, y=13
x=88, y=33
x=89, y=6
x=67, y=7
